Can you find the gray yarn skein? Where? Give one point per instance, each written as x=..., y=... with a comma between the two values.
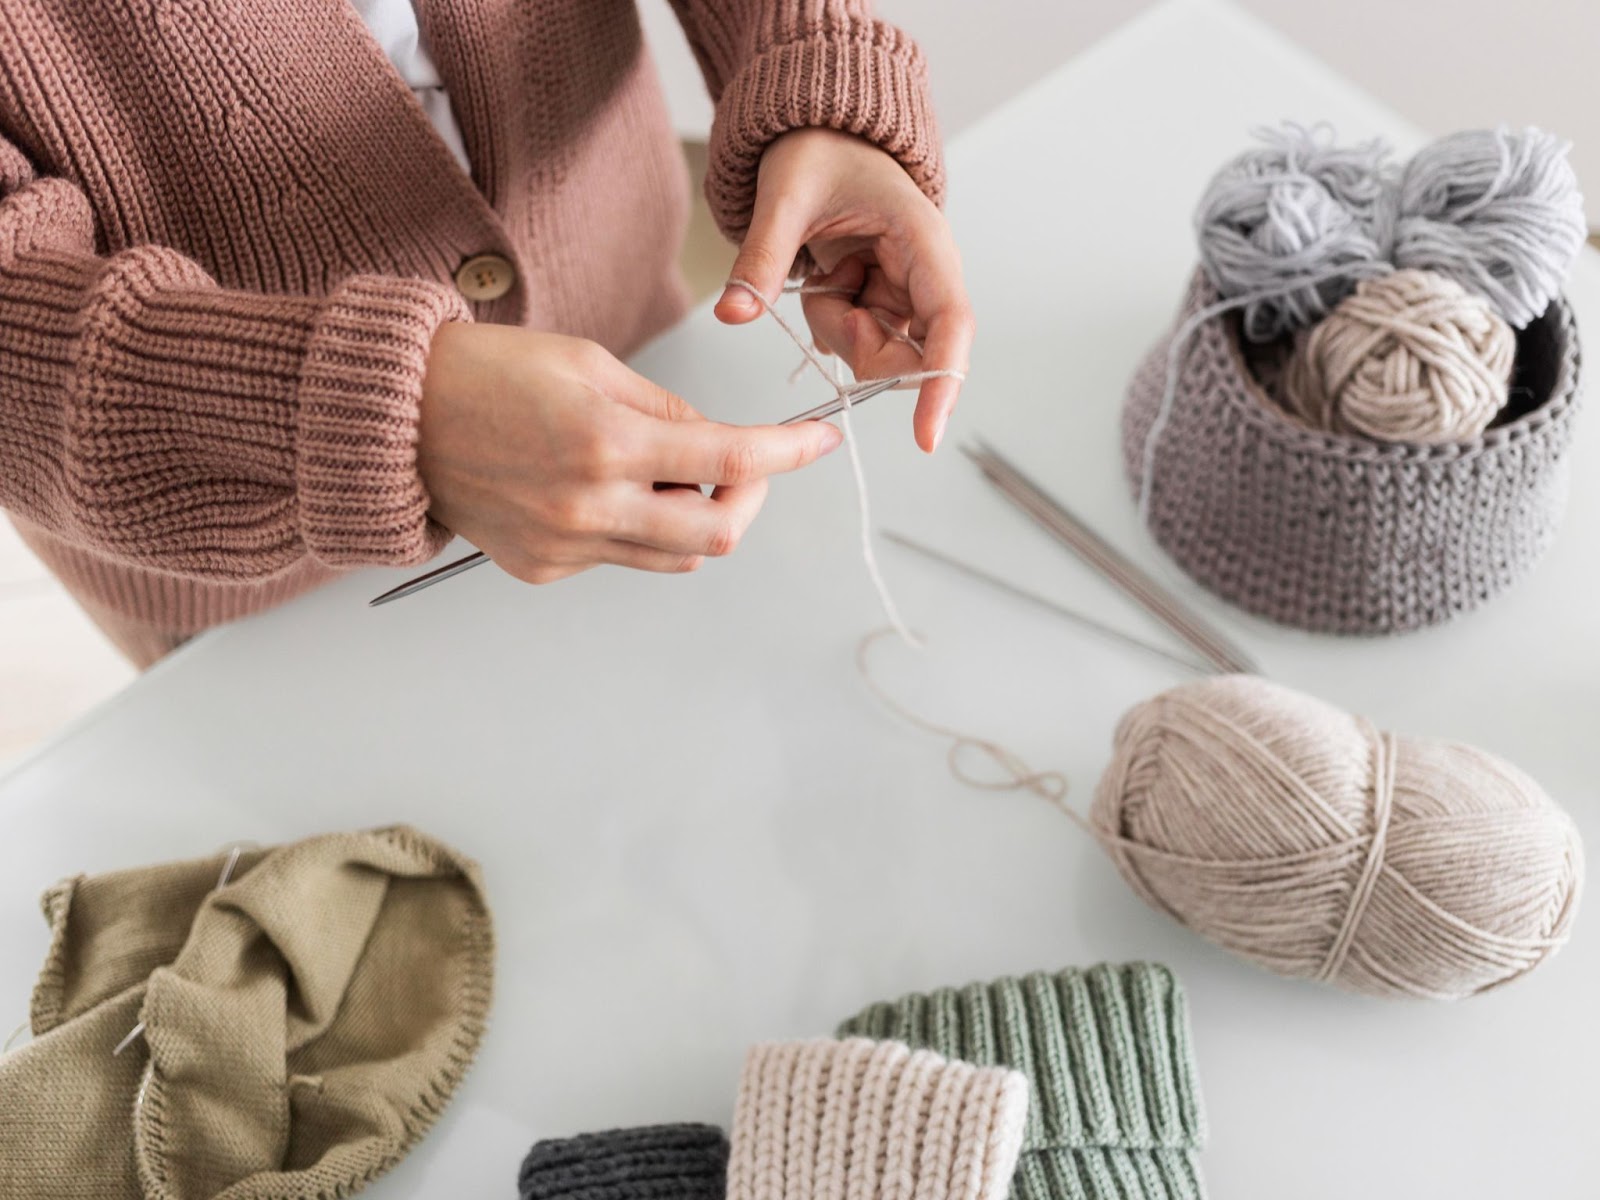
x=1498, y=212
x=1294, y=224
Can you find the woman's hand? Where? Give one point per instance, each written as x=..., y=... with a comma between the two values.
x=872, y=231
x=547, y=454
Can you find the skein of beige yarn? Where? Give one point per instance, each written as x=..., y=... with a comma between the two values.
x=1307, y=841
x=1407, y=357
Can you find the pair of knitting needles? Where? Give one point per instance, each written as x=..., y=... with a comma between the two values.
x=865, y=390
x=1099, y=554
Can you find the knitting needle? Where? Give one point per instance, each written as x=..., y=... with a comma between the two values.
x=861, y=391
x=1061, y=610
x=1099, y=554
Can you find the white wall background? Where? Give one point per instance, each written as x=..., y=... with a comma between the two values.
x=1444, y=64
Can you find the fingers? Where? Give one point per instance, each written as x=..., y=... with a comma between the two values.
x=538, y=571
x=615, y=552
x=948, y=347
x=648, y=558
x=855, y=335
x=777, y=232
x=687, y=524
x=710, y=452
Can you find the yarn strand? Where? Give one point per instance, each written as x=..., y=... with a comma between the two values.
x=1019, y=776
x=1179, y=343
x=845, y=393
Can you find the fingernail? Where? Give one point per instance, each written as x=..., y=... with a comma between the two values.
x=738, y=298
x=831, y=440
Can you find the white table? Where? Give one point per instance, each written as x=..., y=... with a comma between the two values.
x=699, y=831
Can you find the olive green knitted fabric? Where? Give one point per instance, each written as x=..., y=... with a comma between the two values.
x=303, y=1014
x=1115, y=1112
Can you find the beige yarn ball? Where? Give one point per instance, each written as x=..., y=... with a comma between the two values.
x=1407, y=357
x=1307, y=841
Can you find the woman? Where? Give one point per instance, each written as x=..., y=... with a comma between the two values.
x=291, y=286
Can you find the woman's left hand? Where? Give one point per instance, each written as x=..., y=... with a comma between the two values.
x=872, y=231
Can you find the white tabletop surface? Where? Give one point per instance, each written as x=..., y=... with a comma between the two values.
x=697, y=828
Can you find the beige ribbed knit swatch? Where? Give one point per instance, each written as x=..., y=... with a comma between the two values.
x=867, y=1120
x=302, y=1026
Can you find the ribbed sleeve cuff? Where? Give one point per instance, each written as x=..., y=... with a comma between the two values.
x=360, y=392
x=867, y=79
x=228, y=433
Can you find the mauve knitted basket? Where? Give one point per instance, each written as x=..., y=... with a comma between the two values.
x=1339, y=534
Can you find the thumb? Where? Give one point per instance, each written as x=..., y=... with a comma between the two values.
x=777, y=231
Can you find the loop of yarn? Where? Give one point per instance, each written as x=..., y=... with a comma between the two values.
x=1293, y=223
x=1015, y=773
x=1298, y=837
x=1498, y=212
x=1409, y=357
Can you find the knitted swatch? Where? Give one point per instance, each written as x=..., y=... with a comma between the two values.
x=658, y=1162
x=865, y=1120
x=1116, y=1111
x=290, y=1025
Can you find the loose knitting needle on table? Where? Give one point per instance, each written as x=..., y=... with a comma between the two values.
x=1061, y=610
x=1073, y=533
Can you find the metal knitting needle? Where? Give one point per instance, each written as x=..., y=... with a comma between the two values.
x=1109, y=562
x=861, y=391
x=1061, y=610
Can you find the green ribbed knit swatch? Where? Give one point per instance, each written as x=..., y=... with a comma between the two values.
x=1114, y=1111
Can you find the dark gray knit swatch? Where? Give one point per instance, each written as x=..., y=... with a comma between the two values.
x=654, y=1162
x=1339, y=534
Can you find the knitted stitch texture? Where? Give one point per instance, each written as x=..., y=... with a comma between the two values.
x=228, y=233
x=301, y=1028
x=1116, y=1112
x=658, y=1162
x=865, y=1120
x=1340, y=534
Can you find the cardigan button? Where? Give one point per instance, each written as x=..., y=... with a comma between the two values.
x=485, y=277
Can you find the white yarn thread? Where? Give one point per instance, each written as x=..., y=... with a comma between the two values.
x=1017, y=774
x=863, y=500
x=1175, y=350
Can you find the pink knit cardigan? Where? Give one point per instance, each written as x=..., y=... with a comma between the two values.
x=228, y=233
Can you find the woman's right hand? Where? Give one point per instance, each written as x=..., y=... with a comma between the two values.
x=545, y=452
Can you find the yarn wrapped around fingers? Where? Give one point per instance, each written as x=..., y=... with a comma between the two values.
x=1408, y=357
x=1289, y=227
x=1498, y=212
x=1307, y=841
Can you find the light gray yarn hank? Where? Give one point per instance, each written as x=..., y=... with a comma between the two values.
x=1498, y=212
x=1293, y=225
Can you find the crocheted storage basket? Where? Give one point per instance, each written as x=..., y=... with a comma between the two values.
x=1339, y=534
